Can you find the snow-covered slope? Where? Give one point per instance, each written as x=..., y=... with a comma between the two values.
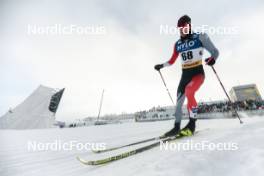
x=248, y=159
x=32, y=113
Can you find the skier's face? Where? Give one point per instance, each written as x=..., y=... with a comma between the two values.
x=185, y=29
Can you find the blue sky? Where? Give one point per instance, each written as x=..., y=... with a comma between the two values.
x=121, y=60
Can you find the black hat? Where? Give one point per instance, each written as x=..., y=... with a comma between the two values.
x=183, y=20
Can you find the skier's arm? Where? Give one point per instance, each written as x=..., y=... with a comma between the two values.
x=172, y=59
x=209, y=46
x=170, y=62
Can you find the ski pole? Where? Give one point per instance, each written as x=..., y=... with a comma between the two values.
x=166, y=87
x=226, y=94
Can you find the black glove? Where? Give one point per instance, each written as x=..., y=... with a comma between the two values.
x=210, y=61
x=158, y=67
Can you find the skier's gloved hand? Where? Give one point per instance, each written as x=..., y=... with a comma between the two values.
x=210, y=61
x=158, y=67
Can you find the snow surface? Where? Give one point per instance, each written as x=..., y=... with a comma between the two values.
x=16, y=160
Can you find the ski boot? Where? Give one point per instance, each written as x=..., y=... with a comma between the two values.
x=174, y=131
x=189, y=129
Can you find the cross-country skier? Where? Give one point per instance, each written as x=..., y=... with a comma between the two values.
x=190, y=47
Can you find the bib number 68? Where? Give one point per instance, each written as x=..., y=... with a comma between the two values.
x=187, y=55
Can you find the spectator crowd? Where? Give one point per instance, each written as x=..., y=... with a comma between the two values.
x=225, y=106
